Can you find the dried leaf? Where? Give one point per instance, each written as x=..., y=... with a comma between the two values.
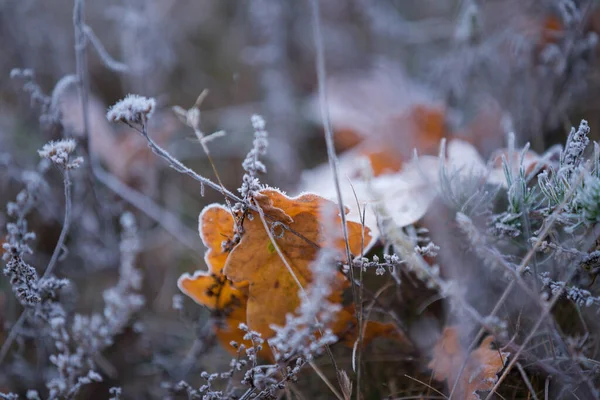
x=216, y=225
x=406, y=195
x=481, y=368
x=273, y=292
x=379, y=104
x=261, y=291
x=421, y=127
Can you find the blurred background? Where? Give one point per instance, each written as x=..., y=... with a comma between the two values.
x=400, y=74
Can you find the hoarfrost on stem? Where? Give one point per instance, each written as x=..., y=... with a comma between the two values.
x=252, y=165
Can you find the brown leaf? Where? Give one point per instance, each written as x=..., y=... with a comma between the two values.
x=250, y=284
x=273, y=292
x=481, y=368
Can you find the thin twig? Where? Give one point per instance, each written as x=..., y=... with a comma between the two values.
x=14, y=331
x=546, y=310
x=83, y=90
x=331, y=155
x=163, y=217
x=106, y=58
x=81, y=65
x=65, y=228
x=179, y=167
x=527, y=381
x=327, y=382
x=426, y=385
x=361, y=291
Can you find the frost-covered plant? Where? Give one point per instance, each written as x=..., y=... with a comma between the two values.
x=97, y=331
x=50, y=113
x=133, y=109
x=581, y=297
x=59, y=153
x=483, y=246
x=589, y=200
x=463, y=191
x=304, y=334
x=556, y=184
x=23, y=277
x=76, y=339
x=520, y=196
x=252, y=165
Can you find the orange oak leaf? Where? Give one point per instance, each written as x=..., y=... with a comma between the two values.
x=420, y=127
x=272, y=290
x=235, y=302
x=481, y=367
x=382, y=114
x=211, y=288
x=226, y=302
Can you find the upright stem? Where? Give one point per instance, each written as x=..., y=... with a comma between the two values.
x=83, y=89
x=81, y=66
x=331, y=155
x=65, y=227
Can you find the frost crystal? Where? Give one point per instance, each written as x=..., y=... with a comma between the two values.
x=133, y=109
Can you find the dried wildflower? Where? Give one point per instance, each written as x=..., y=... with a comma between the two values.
x=59, y=153
x=23, y=277
x=133, y=109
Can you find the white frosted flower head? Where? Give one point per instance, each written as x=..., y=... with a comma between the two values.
x=59, y=153
x=258, y=123
x=133, y=109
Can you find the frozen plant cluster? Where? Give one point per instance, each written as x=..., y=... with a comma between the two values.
x=97, y=331
x=581, y=297
x=133, y=109
x=76, y=339
x=59, y=153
